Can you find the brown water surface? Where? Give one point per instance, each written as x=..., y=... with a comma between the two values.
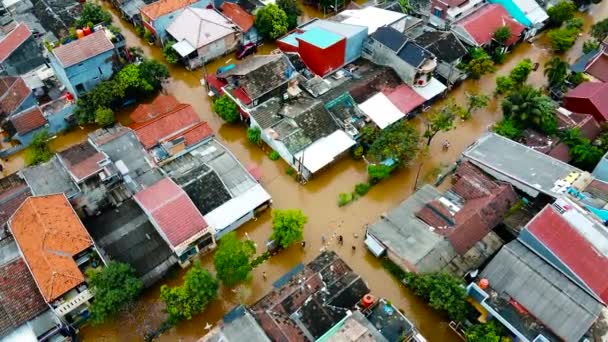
x=317, y=199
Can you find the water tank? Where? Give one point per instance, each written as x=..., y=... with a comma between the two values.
x=79, y=34
x=367, y=300
x=86, y=30
x=484, y=283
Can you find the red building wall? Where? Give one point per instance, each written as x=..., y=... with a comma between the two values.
x=584, y=106
x=322, y=61
x=442, y=6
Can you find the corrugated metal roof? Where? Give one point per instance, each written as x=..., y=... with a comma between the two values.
x=546, y=293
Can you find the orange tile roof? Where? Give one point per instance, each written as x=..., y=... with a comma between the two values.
x=160, y=105
x=13, y=40
x=28, y=120
x=152, y=132
x=162, y=7
x=238, y=15
x=50, y=234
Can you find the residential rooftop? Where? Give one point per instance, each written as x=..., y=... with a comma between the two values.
x=13, y=91
x=370, y=17
x=238, y=15
x=482, y=24
x=152, y=132
x=83, y=49
x=13, y=40
x=50, y=178
x=163, y=7
x=238, y=325
x=308, y=301
x=57, y=16
x=28, y=120
x=526, y=169
x=147, y=111
x=82, y=160
x=50, y=235
x=442, y=44
x=125, y=234
x=13, y=192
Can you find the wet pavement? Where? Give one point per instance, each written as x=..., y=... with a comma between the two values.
x=318, y=199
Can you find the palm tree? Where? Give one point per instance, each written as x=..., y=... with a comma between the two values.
x=556, y=71
x=529, y=107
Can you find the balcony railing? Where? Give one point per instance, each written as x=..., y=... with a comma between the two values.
x=74, y=303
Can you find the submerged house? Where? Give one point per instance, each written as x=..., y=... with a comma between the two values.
x=201, y=35
x=527, y=12
x=52, y=117
x=449, y=52
x=58, y=251
x=451, y=232
x=176, y=219
x=221, y=188
x=243, y=20
x=80, y=65
x=477, y=29
x=157, y=16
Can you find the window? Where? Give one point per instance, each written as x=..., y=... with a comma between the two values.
x=80, y=88
x=437, y=12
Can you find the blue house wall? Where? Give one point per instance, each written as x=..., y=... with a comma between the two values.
x=354, y=45
x=56, y=123
x=88, y=73
x=161, y=23
x=29, y=102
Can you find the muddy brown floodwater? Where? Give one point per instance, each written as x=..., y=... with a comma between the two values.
x=317, y=199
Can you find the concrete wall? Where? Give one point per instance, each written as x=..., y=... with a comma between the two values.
x=61, y=75
x=26, y=57
x=218, y=47
x=323, y=60
x=88, y=73
x=354, y=45
x=382, y=55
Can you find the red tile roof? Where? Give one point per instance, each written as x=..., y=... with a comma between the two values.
x=13, y=91
x=154, y=131
x=598, y=68
x=404, y=98
x=13, y=40
x=596, y=93
x=82, y=160
x=160, y=105
x=238, y=15
x=571, y=248
x=21, y=300
x=28, y=120
x=162, y=7
x=50, y=234
x=171, y=211
x=240, y=94
x=216, y=83
x=82, y=49
x=482, y=24
x=194, y=134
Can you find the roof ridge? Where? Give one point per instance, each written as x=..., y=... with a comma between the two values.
x=177, y=108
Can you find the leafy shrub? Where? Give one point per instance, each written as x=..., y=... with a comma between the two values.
x=274, y=155
x=254, y=135
x=362, y=188
x=345, y=198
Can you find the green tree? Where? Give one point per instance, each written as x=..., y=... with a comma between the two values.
x=480, y=66
x=104, y=117
x=292, y=11
x=441, y=121
x=406, y=6
x=508, y=128
x=254, y=135
x=39, y=150
x=93, y=13
x=599, y=30
x=561, y=12
x=576, y=78
x=136, y=52
x=502, y=34
x=287, y=226
x=487, y=332
x=521, y=71
x=442, y=291
x=499, y=56
x=504, y=84
x=590, y=45
x=130, y=79
x=153, y=73
x=575, y=24
x=562, y=39
x=232, y=259
x=585, y=155
x=226, y=109
x=369, y=134
x=271, y=21
x=198, y=290
x=475, y=101
x=529, y=107
x=378, y=172
x=398, y=142
x=171, y=56
x=556, y=71
x=114, y=286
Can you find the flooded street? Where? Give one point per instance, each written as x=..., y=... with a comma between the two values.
x=318, y=200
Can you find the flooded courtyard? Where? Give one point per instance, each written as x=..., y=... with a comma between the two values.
x=317, y=199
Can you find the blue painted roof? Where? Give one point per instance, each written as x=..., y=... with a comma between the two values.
x=320, y=37
x=514, y=11
x=581, y=64
x=291, y=39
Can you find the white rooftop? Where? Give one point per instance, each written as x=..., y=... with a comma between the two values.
x=372, y=17
x=323, y=151
x=230, y=212
x=532, y=10
x=381, y=110
x=432, y=89
x=200, y=26
x=183, y=48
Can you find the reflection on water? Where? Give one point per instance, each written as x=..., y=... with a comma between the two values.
x=317, y=199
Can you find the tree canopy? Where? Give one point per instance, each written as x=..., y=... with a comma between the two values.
x=508, y=128
x=171, y=56
x=480, y=63
x=584, y=154
x=232, y=259
x=590, y=45
x=271, y=21
x=287, y=226
x=519, y=74
x=198, y=290
x=556, y=71
x=39, y=150
x=114, y=286
x=292, y=11
x=599, y=30
x=561, y=12
x=442, y=291
x=491, y=331
x=254, y=135
x=502, y=34
x=226, y=109
x=441, y=121
x=104, y=117
x=529, y=107
x=93, y=13
x=398, y=142
x=475, y=101
x=504, y=84
x=562, y=39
